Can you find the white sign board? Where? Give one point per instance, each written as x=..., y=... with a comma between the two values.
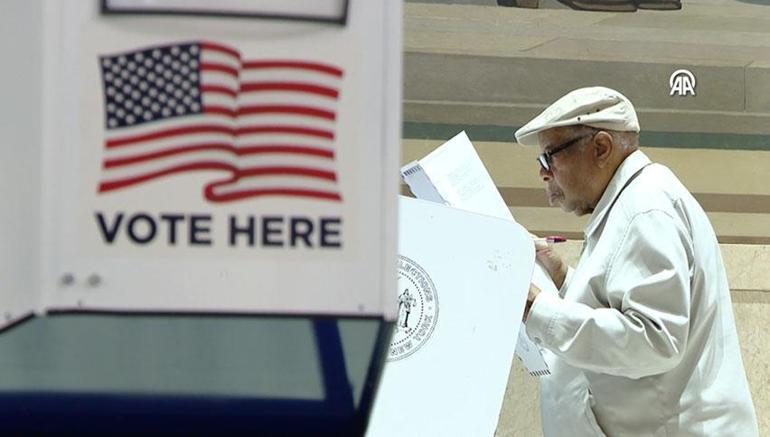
x=218, y=164
x=463, y=282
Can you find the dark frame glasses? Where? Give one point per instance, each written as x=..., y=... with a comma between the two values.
x=545, y=158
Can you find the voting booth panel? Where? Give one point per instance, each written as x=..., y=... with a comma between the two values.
x=463, y=282
x=213, y=206
x=454, y=175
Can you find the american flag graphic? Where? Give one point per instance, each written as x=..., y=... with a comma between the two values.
x=267, y=124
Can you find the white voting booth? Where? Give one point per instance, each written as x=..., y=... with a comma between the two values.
x=464, y=272
x=203, y=205
x=468, y=274
x=454, y=175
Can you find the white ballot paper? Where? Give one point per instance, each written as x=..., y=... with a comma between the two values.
x=454, y=175
x=462, y=283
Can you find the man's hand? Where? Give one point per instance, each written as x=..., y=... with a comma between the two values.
x=554, y=265
x=533, y=292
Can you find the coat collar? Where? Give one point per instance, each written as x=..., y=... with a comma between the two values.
x=627, y=169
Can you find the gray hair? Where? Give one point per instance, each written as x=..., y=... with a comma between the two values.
x=628, y=141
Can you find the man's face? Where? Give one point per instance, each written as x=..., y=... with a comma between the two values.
x=568, y=182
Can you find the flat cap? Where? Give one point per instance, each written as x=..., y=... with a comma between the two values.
x=599, y=107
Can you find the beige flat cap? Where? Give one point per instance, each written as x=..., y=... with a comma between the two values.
x=599, y=107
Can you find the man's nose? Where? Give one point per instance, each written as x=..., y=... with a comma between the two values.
x=545, y=175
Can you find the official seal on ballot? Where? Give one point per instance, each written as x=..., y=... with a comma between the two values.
x=417, y=309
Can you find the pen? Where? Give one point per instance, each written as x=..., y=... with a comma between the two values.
x=551, y=239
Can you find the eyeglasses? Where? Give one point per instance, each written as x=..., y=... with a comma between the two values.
x=545, y=158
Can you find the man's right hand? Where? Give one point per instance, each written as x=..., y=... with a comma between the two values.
x=554, y=265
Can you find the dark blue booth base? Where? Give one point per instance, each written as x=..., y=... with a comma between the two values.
x=115, y=414
x=337, y=414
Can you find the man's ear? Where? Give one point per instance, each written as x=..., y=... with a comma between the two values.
x=603, y=147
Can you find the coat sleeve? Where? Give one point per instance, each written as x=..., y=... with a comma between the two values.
x=642, y=329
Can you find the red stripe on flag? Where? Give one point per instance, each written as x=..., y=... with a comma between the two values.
x=302, y=65
x=286, y=148
x=224, y=147
x=217, y=89
x=208, y=45
x=294, y=192
x=287, y=129
x=287, y=109
x=165, y=133
x=204, y=165
x=289, y=86
x=286, y=170
x=214, y=165
x=310, y=111
x=222, y=68
x=203, y=129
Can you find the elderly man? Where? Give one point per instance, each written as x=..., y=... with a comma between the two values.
x=641, y=338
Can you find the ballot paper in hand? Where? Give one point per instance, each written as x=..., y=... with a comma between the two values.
x=454, y=175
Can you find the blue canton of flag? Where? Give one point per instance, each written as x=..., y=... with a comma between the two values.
x=153, y=84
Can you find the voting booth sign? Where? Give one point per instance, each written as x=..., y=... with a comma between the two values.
x=220, y=156
x=204, y=209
